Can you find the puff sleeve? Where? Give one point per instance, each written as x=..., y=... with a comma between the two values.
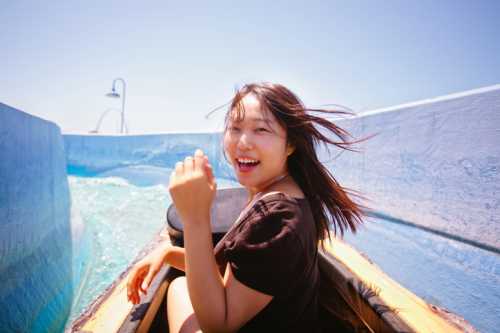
x=267, y=254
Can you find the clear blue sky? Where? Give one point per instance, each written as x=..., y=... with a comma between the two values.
x=181, y=59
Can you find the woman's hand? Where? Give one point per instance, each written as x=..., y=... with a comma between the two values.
x=144, y=272
x=192, y=187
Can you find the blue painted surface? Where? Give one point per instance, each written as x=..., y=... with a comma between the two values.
x=433, y=163
x=92, y=154
x=35, y=233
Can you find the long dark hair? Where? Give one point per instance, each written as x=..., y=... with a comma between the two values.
x=326, y=196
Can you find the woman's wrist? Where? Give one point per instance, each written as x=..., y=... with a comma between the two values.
x=166, y=247
x=174, y=256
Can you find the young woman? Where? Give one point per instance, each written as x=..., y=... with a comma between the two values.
x=263, y=276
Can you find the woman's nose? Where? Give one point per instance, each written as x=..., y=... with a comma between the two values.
x=245, y=142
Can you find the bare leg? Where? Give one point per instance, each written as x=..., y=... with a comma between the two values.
x=181, y=317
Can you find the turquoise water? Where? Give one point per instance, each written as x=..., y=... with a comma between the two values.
x=120, y=215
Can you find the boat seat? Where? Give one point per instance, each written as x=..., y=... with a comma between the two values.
x=228, y=204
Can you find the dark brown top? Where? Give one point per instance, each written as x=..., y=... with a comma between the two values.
x=274, y=250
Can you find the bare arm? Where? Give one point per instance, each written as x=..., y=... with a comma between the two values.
x=205, y=284
x=145, y=270
x=220, y=305
x=175, y=257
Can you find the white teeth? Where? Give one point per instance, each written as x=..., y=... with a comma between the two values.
x=246, y=160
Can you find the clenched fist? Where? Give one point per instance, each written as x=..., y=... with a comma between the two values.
x=192, y=187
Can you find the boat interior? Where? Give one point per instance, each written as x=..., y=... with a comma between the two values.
x=355, y=294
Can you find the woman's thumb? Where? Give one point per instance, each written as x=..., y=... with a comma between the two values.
x=209, y=171
x=147, y=281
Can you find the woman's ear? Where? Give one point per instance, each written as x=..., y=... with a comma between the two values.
x=289, y=149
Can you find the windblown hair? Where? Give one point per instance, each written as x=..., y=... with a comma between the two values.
x=327, y=198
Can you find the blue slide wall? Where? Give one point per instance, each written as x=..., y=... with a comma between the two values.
x=433, y=163
x=35, y=234
x=101, y=154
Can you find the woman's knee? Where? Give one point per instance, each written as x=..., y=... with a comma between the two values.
x=180, y=313
x=178, y=295
x=178, y=285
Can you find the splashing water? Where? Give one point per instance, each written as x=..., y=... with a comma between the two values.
x=120, y=218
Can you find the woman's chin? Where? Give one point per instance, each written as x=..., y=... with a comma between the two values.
x=244, y=182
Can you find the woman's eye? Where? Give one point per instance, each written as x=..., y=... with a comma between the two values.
x=234, y=129
x=261, y=129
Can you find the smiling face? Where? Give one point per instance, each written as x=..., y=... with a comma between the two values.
x=256, y=146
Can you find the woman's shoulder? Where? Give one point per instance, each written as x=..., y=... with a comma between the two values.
x=269, y=248
x=277, y=197
x=286, y=211
x=273, y=221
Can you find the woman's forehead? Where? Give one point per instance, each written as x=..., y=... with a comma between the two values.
x=251, y=110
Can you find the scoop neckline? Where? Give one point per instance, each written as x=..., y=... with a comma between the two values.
x=270, y=194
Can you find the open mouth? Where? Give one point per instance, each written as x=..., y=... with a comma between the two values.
x=246, y=164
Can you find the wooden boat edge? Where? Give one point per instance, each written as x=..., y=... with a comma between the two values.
x=404, y=310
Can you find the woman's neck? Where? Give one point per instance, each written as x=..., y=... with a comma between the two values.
x=274, y=181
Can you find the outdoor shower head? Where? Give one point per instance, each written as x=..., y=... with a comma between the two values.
x=113, y=94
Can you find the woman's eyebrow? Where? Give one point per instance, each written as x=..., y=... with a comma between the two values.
x=264, y=120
